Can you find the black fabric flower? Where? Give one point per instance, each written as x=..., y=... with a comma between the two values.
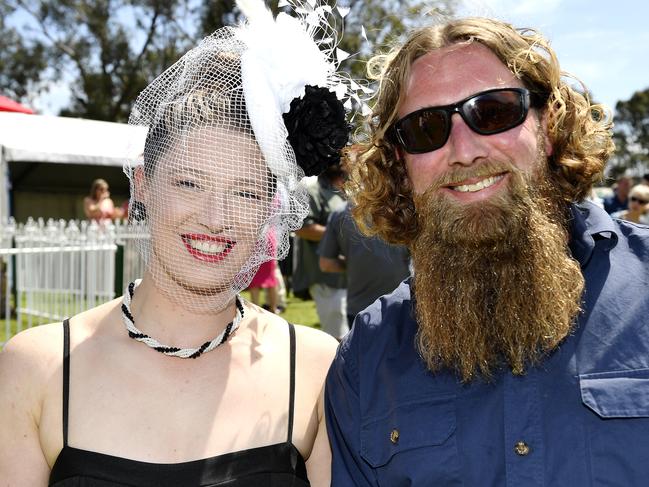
x=317, y=129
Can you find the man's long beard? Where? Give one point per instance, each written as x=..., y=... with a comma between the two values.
x=494, y=281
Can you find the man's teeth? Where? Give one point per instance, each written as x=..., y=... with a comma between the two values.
x=207, y=247
x=485, y=183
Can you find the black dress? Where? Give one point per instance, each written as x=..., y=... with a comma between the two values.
x=267, y=466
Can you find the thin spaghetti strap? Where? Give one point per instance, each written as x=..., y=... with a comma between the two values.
x=66, y=378
x=291, y=401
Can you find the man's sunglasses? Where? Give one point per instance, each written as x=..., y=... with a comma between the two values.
x=487, y=113
x=638, y=200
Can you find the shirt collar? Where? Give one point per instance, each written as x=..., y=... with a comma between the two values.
x=590, y=224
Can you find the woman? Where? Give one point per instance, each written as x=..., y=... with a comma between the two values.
x=266, y=278
x=180, y=381
x=638, y=205
x=98, y=205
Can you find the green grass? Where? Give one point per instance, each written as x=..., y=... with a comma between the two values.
x=297, y=311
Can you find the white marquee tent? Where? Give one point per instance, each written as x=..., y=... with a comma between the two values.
x=56, y=156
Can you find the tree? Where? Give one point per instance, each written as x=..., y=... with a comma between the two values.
x=383, y=21
x=21, y=62
x=111, y=48
x=631, y=135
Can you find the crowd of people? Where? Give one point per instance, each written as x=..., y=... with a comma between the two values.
x=628, y=201
x=509, y=345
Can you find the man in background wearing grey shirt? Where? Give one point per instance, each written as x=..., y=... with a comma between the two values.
x=373, y=267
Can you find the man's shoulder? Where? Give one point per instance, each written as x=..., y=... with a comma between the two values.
x=389, y=306
x=380, y=323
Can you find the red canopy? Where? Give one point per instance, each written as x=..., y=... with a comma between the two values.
x=8, y=105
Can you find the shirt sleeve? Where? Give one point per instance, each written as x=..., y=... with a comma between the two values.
x=329, y=245
x=342, y=410
x=315, y=207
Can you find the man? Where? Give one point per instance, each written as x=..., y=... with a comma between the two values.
x=619, y=200
x=518, y=354
x=373, y=267
x=327, y=290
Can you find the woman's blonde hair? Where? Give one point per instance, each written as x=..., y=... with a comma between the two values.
x=94, y=187
x=640, y=191
x=579, y=131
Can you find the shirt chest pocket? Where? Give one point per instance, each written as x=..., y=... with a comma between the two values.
x=413, y=444
x=620, y=394
x=617, y=432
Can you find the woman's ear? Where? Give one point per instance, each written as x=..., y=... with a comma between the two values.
x=140, y=188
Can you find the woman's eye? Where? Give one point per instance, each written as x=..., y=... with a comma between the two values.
x=187, y=183
x=248, y=194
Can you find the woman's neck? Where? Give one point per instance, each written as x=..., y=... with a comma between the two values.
x=172, y=324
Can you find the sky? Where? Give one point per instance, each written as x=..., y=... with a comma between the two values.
x=604, y=43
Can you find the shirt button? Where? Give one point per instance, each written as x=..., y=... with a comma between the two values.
x=394, y=436
x=521, y=448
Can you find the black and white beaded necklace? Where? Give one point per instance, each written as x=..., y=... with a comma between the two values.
x=136, y=334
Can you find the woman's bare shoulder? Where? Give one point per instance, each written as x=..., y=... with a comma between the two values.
x=36, y=351
x=27, y=363
x=315, y=340
x=33, y=347
x=316, y=346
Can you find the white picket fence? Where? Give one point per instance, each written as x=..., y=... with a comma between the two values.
x=56, y=269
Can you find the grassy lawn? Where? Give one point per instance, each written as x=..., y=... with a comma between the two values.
x=297, y=311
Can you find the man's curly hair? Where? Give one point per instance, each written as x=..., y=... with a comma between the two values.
x=579, y=131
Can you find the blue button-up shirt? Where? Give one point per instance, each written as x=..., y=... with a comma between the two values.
x=612, y=204
x=580, y=418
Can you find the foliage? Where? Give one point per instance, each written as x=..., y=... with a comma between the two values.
x=112, y=49
x=385, y=22
x=631, y=135
x=21, y=62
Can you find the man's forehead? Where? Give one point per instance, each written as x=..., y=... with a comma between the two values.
x=452, y=73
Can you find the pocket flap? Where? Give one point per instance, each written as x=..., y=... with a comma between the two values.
x=408, y=426
x=619, y=394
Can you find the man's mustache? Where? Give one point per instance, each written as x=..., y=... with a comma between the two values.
x=457, y=175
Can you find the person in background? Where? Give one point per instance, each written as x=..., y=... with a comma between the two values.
x=373, y=267
x=638, y=205
x=619, y=200
x=518, y=353
x=266, y=279
x=98, y=205
x=327, y=290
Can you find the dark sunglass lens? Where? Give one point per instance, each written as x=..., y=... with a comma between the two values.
x=494, y=112
x=638, y=200
x=423, y=131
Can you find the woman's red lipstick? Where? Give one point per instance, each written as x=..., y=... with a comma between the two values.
x=203, y=255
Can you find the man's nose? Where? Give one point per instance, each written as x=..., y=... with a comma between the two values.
x=465, y=147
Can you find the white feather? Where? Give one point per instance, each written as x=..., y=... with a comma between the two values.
x=255, y=11
x=285, y=50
